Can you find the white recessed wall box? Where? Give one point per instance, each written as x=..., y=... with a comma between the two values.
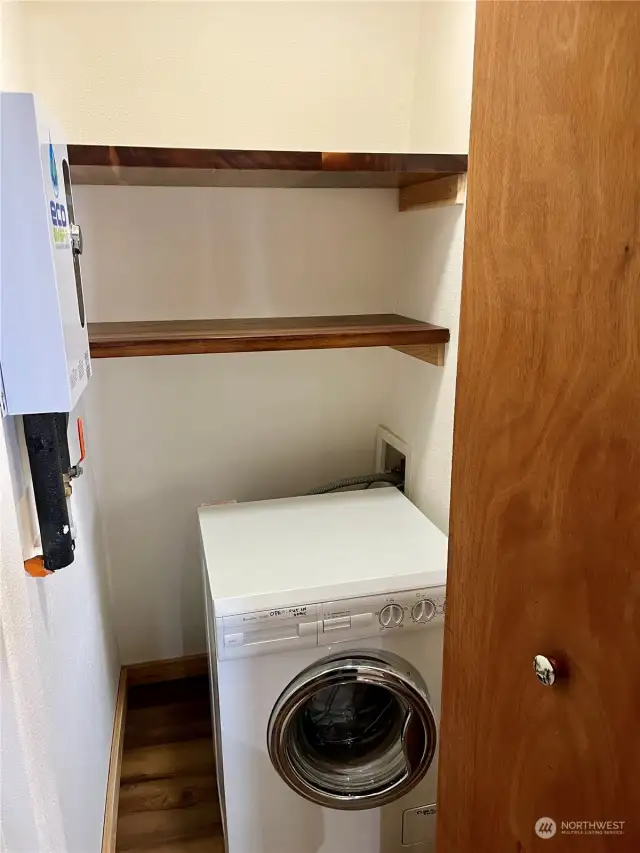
x=44, y=347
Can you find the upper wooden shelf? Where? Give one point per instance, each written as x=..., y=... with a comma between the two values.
x=121, y=165
x=188, y=337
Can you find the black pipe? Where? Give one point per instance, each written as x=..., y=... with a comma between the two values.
x=48, y=453
x=62, y=422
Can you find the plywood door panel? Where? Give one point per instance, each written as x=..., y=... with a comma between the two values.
x=545, y=514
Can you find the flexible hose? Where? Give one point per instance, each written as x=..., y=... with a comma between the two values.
x=363, y=480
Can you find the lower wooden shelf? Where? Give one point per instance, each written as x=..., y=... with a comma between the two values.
x=190, y=337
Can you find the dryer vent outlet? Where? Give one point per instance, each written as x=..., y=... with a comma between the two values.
x=393, y=455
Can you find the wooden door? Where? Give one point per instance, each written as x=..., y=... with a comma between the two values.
x=545, y=515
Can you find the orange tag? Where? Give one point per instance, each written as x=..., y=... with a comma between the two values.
x=35, y=567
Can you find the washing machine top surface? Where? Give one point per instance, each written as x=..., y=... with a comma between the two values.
x=277, y=553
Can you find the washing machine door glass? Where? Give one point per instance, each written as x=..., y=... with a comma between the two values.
x=354, y=730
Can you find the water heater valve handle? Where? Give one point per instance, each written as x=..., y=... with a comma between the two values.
x=76, y=470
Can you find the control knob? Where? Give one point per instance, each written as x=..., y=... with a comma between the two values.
x=391, y=616
x=423, y=610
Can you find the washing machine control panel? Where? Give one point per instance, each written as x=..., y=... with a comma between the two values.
x=378, y=614
x=319, y=624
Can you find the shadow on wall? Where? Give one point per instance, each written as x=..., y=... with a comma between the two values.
x=421, y=404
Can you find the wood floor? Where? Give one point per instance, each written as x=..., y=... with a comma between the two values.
x=168, y=795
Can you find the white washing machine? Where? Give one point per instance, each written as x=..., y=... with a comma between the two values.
x=325, y=625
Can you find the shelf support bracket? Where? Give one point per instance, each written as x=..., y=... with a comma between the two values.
x=432, y=353
x=439, y=193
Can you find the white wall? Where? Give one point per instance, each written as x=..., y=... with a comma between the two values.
x=60, y=671
x=178, y=431
x=421, y=402
x=174, y=432
x=442, y=91
x=17, y=814
x=13, y=49
x=188, y=252
x=332, y=76
x=421, y=399
x=59, y=664
x=30, y=816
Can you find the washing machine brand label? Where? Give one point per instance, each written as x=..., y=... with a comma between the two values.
x=59, y=221
x=60, y=225
x=279, y=614
x=289, y=612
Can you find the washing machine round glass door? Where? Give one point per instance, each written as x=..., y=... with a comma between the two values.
x=353, y=731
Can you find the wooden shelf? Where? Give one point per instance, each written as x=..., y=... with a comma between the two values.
x=121, y=165
x=188, y=337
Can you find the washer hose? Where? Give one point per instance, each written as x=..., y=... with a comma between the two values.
x=363, y=480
